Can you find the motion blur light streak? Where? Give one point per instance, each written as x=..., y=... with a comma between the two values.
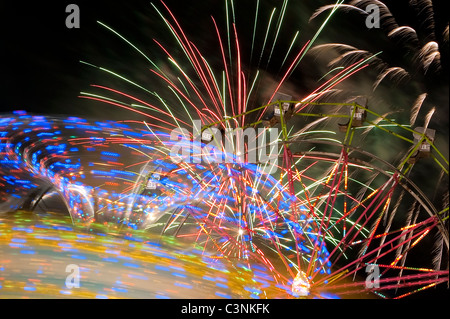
x=140, y=224
x=111, y=266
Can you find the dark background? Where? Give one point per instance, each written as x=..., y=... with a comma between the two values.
x=40, y=69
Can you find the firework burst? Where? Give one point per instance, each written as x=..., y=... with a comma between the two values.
x=326, y=211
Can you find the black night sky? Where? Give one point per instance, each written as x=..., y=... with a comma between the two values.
x=40, y=56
